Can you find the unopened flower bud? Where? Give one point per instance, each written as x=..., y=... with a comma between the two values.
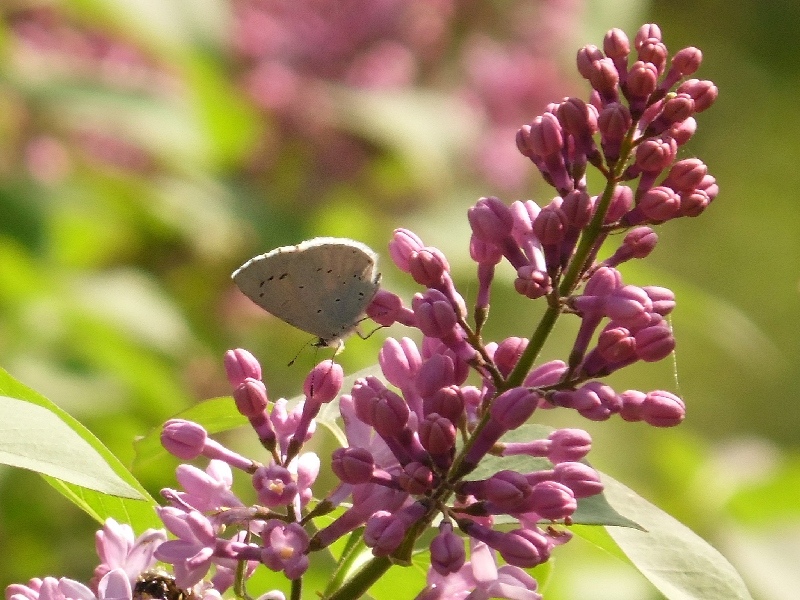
x=184, y=439
x=239, y=365
x=663, y=409
x=447, y=550
x=403, y=243
x=352, y=465
x=582, y=479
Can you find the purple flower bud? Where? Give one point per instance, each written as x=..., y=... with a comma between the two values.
x=400, y=361
x=546, y=137
x=614, y=121
x=513, y=407
x=389, y=414
x=447, y=402
x=656, y=154
x=604, y=78
x=704, y=93
x=663, y=409
x=687, y=60
x=428, y=266
x=653, y=52
x=577, y=117
x=532, y=282
x=274, y=485
x=594, y=400
x=403, y=243
x=437, y=435
x=184, y=439
x=508, y=353
x=436, y=372
x=616, y=44
x=663, y=299
x=323, y=383
x=523, y=548
x=484, y=252
x=417, y=478
x=582, y=479
x=621, y=203
x=587, y=56
x=447, y=550
x=491, y=220
x=659, y=204
x=239, y=365
x=506, y=490
x=693, y=203
x=630, y=305
x=686, y=175
x=552, y=500
x=550, y=225
x=251, y=397
x=578, y=207
x=548, y=373
x=631, y=405
x=387, y=308
x=641, y=81
x=365, y=392
x=434, y=314
x=568, y=445
x=384, y=533
x=683, y=131
x=654, y=343
x=616, y=344
x=352, y=465
x=648, y=31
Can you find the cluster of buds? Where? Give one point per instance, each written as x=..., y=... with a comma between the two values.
x=417, y=438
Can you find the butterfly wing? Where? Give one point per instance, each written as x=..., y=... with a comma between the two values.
x=321, y=286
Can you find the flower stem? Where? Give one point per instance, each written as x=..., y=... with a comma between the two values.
x=358, y=585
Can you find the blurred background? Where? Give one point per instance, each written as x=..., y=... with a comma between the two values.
x=149, y=148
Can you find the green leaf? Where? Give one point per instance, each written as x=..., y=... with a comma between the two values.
x=594, y=510
x=678, y=562
x=36, y=434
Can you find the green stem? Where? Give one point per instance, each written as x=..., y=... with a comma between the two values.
x=297, y=589
x=349, y=555
x=358, y=585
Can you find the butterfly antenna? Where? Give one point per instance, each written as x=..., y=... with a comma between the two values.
x=299, y=352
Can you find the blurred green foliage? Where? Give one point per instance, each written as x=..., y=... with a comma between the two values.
x=132, y=184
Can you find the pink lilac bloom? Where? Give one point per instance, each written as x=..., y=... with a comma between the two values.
x=118, y=549
x=481, y=579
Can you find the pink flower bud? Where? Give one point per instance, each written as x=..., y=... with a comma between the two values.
x=587, y=56
x=435, y=314
x=389, y=414
x=629, y=305
x=546, y=137
x=403, y=243
x=447, y=402
x=251, y=398
x=704, y=93
x=616, y=44
x=616, y=344
x=352, y=465
x=663, y=409
x=513, y=407
x=552, y=500
x=654, y=343
x=632, y=401
x=436, y=372
x=582, y=479
x=686, y=174
x=324, y=382
x=663, y=299
x=523, y=548
x=239, y=365
x=693, y=203
x=447, y=550
x=428, y=266
x=532, y=282
x=604, y=77
x=437, y=434
x=491, y=220
x=648, y=31
x=508, y=353
x=683, y=131
x=400, y=361
x=578, y=207
x=416, y=478
x=687, y=60
x=183, y=439
x=614, y=121
x=655, y=53
x=386, y=308
x=660, y=203
x=550, y=225
x=577, y=117
x=568, y=445
x=642, y=79
x=364, y=393
x=656, y=154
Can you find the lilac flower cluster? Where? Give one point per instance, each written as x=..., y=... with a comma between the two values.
x=416, y=436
